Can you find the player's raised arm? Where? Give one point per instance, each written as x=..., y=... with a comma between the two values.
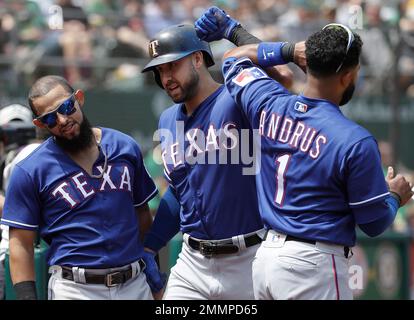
x=240, y=69
x=215, y=24
x=268, y=54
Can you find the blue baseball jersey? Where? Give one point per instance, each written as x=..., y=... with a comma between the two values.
x=203, y=162
x=87, y=222
x=317, y=165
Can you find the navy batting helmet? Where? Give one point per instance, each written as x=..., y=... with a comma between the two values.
x=174, y=43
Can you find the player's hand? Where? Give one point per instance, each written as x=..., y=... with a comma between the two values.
x=158, y=295
x=399, y=185
x=299, y=56
x=215, y=24
x=156, y=280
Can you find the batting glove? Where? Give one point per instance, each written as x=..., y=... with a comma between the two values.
x=156, y=280
x=215, y=24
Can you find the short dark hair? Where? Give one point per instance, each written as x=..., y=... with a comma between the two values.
x=43, y=85
x=326, y=49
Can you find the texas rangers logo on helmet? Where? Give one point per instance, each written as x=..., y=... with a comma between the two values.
x=153, y=48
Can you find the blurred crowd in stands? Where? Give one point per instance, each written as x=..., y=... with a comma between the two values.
x=104, y=42
x=404, y=221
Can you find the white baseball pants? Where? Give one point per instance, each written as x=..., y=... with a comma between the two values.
x=135, y=288
x=284, y=270
x=220, y=277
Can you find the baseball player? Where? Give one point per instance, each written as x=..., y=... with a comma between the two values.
x=14, y=113
x=320, y=172
x=211, y=202
x=86, y=191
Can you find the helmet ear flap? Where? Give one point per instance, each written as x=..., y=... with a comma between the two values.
x=208, y=59
x=157, y=77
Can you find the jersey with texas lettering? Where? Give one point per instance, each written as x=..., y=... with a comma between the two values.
x=317, y=165
x=87, y=221
x=209, y=161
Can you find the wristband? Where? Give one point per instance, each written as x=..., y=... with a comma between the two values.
x=25, y=290
x=397, y=197
x=240, y=37
x=270, y=54
x=288, y=51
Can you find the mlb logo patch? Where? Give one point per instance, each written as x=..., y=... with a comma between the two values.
x=248, y=75
x=301, y=107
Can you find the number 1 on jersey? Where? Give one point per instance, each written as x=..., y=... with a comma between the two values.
x=282, y=164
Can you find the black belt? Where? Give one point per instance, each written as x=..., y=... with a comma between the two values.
x=110, y=279
x=347, y=250
x=212, y=247
x=293, y=238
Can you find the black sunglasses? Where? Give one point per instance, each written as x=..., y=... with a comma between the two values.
x=66, y=108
